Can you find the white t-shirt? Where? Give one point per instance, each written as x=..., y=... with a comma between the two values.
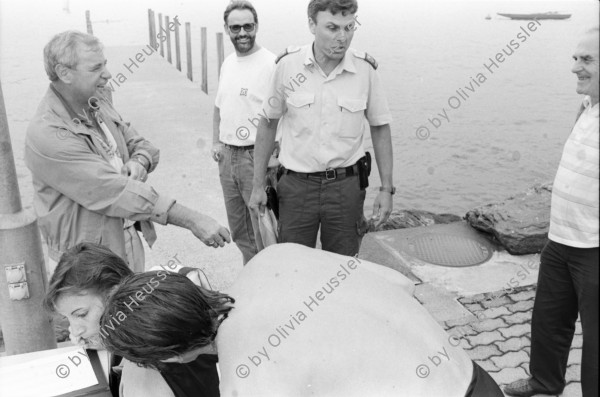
x=242, y=89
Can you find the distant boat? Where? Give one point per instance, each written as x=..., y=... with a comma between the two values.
x=488, y=16
x=538, y=15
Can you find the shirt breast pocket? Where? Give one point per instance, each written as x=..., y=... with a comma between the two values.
x=352, y=117
x=299, y=108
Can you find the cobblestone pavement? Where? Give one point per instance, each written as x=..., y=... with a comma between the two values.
x=499, y=339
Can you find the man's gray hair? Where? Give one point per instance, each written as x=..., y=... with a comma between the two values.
x=62, y=49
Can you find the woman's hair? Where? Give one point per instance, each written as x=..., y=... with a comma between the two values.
x=333, y=6
x=155, y=316
x=85, y=268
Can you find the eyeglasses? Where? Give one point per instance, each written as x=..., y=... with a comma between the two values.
x=248, y=27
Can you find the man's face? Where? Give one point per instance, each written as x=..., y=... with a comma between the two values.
x=89, y=74
x=243, y=41
x=333, y=33
x=586, y=66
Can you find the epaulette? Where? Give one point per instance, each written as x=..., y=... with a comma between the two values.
x=290, y=50
x=366, y=57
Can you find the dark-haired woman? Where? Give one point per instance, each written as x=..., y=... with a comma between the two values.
x=303, y=322
x=80, y=286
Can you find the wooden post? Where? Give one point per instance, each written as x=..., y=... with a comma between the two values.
x=23, y=281
x=88, y=22
x=204, y=61
x=151, y=28
x=160, y=26
x=220, y=53
x=168, y=39
x=188, y=48
x=177, y=48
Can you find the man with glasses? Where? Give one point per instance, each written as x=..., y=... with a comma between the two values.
x=321, y=97
x=242, y=89
x=89, y=167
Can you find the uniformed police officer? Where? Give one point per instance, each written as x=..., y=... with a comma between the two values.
x=324, y=93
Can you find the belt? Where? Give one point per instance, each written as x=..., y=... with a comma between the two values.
x=233, y=147
x=329, y=174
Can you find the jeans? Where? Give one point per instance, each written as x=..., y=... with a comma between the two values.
x=336, y=206
x=236, y=171
x=567, y=285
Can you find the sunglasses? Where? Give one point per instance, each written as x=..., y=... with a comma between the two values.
x=248, y=27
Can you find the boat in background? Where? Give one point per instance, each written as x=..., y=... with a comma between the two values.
x=488, y=16
x=538, y=15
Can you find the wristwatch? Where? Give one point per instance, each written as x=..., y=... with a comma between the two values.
x=390, y=190
x=143, y=163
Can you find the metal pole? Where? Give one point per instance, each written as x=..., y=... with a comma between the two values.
x=25, y=326
x=177, y=48
x=188, y=48
x=204, y=62
x=153, y=31
x=168, y=40
x=88, y=22
x=220, y=53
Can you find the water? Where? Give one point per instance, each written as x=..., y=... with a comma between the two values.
x=504, y=137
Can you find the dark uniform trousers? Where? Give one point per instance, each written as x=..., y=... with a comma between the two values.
x=309, y=202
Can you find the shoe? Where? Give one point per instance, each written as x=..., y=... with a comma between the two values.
x=522, y=388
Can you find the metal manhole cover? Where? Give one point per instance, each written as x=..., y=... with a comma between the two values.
x=449, y=250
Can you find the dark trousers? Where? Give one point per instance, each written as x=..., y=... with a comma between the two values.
x=336, y=206
x=567, y=285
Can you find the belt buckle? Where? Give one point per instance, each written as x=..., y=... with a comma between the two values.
x=330, y=174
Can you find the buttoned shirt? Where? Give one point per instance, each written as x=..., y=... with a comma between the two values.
x=324, y=117
x=78, y=194
x=574, y=212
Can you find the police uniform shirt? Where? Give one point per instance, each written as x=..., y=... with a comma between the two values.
x=324, y=118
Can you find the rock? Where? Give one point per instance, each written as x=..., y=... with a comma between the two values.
x=520, y=223
x=402, y=219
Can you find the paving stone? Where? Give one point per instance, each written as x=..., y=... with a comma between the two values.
x=474, y=307
x=485, y=338
x=488, y=365
x=573, y=373
x=523, y=295
x=572, y=390
x=513, y=344
x=489, y=325
x=574, y=357
x=461, y=331
x=525, y=366
x=472, y=299
x=521, y=306
x=494, y=312
x=578, y=330
x=501, y=301
x=577, y=342
x=515, y=330
x=518, y=318
x=528, y=350
x=511, y=360
x=483, y=352
x=508, y=375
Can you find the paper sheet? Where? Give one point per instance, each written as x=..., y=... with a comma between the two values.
x=47, y=374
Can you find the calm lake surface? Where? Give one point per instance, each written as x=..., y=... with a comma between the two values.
x=503, y=127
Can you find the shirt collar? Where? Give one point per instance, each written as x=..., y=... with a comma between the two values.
x=74, y=116
x=347, y=62
x=587, y=104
